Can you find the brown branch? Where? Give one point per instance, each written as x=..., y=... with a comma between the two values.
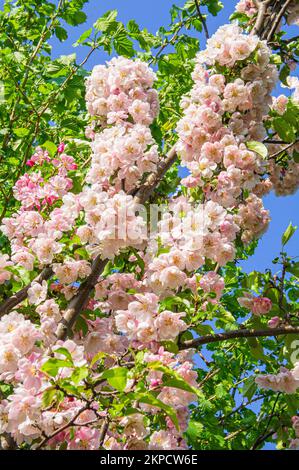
x=243, y=333
x=278, y=19
x=103, y=431
x=260, y=20
x=62, y=428
x=277, y=154
x=202, y=19
x=7, y=442
x=17, y=298
x=145, y=190
x=80, y=299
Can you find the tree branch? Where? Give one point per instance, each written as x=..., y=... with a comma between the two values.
x=262, y=10
x=17, y=298
x=202, y=19
x=62, y=428
x=278, y=19
x=243, y=333
x=277, y=154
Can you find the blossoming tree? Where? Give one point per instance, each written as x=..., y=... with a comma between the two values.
x=126, y=321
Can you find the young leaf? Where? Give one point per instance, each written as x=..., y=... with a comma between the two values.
x=288, y=234
x=150, y=399
x=103, y=23
x=258, y=148
x=116, y=377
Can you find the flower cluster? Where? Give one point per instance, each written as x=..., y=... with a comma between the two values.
x=141, y=321
x=248, y=7
x=221, y=115
x=286, y=381
x=257, y=305
x=122, y=155
x=189, y=235
x=122, y=90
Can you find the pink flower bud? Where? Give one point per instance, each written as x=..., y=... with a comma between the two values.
x=274, y=322
x=61, y=147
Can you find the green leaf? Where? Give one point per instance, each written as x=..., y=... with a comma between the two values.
x=284, y=73
x=103, y=23
x=194, y=432
x=83, y=36
x=61, y=33
x=65, y=352
x=170, y=346
x=288, y=234
x=292, y=403
x=150, y=399
x=249, y=388
x=79, y=374
x=74, y=17
x=116, y=377
x=21, y=132
x=284, y=129
x=52, y=366
x=122, y=45
x=257, y=350
x=258, y=148
x=97, y=357
x=50, y=147
x=214, y=6
x=48, y=397
x=293, y=269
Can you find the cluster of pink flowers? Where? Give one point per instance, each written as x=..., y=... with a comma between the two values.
x=286, y=381
x=71, y=270
x=141, y=321
x=284, y=176
x=111, y=222
x=17, y=338
x=294, y=444
x=122, y=90
x=31, y=189
x=122, y=155
x=104, y=219
x=122, y=94
x=220, y=116
x=188, y=235
x=247, y=6
x=22, y=413
x=5, y=275
x=257, y=305
x=252, y=218
x=285, y=181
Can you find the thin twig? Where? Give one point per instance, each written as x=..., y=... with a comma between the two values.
x=202, y=19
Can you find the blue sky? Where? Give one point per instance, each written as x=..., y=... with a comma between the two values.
x=152, y=15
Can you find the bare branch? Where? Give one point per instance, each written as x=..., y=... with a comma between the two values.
x=243, y=333
x=202, y=19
